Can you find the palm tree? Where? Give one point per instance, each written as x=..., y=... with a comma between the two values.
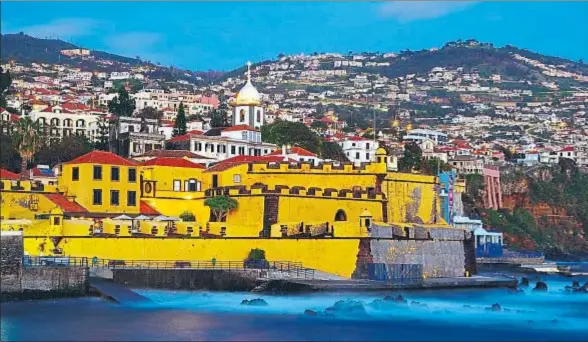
x=28, y=139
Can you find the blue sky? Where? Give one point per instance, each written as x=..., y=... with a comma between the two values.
x=224, y=35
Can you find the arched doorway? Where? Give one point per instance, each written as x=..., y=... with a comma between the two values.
x=340, y=215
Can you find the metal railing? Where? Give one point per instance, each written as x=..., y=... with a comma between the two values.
x=42, y=261
x=271, y=269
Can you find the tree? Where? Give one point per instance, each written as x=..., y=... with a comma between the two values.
x=9, y=157
x=218, y=117
x=291, y=133
x=220, y=207
x=180, y=122
x=28, y=139
x=67, y=149
x=103, y=134
x=187, y=216
x=331, y=150
x=5, y=81
x=411, y=160
x=151, y=114
x=433, y=166
x=122, y=104
x=318, y=125
x=96, y=82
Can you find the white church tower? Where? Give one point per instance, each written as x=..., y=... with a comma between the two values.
x=247, y=108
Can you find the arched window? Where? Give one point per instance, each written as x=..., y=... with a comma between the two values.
x=242, y=115
x=81, y=123
x=67, y=123
x=41, y=121
x=259, y=115
x=55, y=122
x=340, y=215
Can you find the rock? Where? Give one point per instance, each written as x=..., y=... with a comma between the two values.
x=254, y=302
x=576, y=283
x=419, y=304
x=495, y=307
x=540, y=287
x=347, y=307
x=310, y=313
x=398, y=299
x=554, y=321
x=524, y=281
x=467, y=306
x=525, y=311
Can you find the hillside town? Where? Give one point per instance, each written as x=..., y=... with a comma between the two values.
x=465, y=118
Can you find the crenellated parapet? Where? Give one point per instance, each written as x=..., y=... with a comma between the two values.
x=357, y=193
x=307, y=167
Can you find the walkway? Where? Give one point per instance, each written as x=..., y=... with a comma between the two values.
x=116, y=292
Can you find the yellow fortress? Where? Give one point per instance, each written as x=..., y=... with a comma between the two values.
x=336, y=218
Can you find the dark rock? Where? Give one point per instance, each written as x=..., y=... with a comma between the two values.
x=576, y=283
x=310, y=313
x=554, y=321
x=254, y=302
x=524, y=281
x=398, y=299
x=495, y=307
x=419, y=304
x=467, y=306
x=540, y=286
x=525, y=311
x=347, y=307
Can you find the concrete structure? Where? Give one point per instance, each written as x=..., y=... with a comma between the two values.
x=492, y=190
x=418, y=135
x=359, y=150
x=131, y=136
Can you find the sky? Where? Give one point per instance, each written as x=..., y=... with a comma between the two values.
x=225, y=35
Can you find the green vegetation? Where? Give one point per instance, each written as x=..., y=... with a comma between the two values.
x=187, y=216
x=256, y=254
x=220, y=206
x=28, y=139
x=122, y=105
x=180, y=122
x=5, y=81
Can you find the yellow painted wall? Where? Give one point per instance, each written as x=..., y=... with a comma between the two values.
x=14, y=204
x=409, y=196
x=336, y=256
x=297, y=209
x=165, y=176
x=82, y=189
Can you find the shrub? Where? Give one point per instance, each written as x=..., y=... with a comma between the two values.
x=187, y=216
x=256, y=254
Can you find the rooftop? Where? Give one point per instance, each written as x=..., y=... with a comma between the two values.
x=102, y=157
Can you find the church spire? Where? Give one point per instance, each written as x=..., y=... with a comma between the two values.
x=248, y=71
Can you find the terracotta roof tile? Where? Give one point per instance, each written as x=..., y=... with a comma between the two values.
x=239, y=128
x=146, y=209
x=172, y=154
x=240, y=160
x=173, y=162
x=102, y=157
x=66, y=205
x=5, y=174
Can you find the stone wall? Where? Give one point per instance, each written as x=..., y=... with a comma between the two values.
x=11, y=253
x=59, y=278
x=212, y=280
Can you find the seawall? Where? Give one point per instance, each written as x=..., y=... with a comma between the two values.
x=35, y=282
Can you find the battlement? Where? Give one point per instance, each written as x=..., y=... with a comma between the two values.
x=358, y=193
x=307, y=167
x=25, y=186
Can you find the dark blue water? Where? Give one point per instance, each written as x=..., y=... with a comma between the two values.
x=183, y=315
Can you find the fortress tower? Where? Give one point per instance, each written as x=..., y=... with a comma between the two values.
x=247, y=108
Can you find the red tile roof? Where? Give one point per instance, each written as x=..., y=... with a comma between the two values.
x=73, y=106
x=173, y=162
x=172, y=154
x=50, y=110
x=294, y=150
x=356, y=138
x=567, y=149
x=239, y=128
x=146, y=209
x=179, y=138
x=102, y=157
x=239, y=160
x=5, y=174
x=66, y=205
x=36, y=172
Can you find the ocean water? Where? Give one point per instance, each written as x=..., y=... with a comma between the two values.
x=195, y=315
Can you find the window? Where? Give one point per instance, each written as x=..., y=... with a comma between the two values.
x=131, y=128
x=148, y=147
x=131, y=198
x=97, y=197
x=192, y=185
x=75, y=173
x=56, y=221
x=132, y=175
x=177, y=185
x=356, y=155
x=259, y=115
x=114, y=200
x=114, y=173
x=241, y=150
x=367, y=156
x=236, y=178
x=233, y=149
x=367, y=146
x=242, y=115
x=97, y=172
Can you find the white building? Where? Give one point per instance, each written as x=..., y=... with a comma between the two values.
x=247, y=108
x=120, y=75
x=240, y=140
x=297, y=153
x=418, y=135
x=60, y=122
x=359, y=150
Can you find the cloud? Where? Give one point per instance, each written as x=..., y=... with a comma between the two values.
x=417, y=10
x=64, y=28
